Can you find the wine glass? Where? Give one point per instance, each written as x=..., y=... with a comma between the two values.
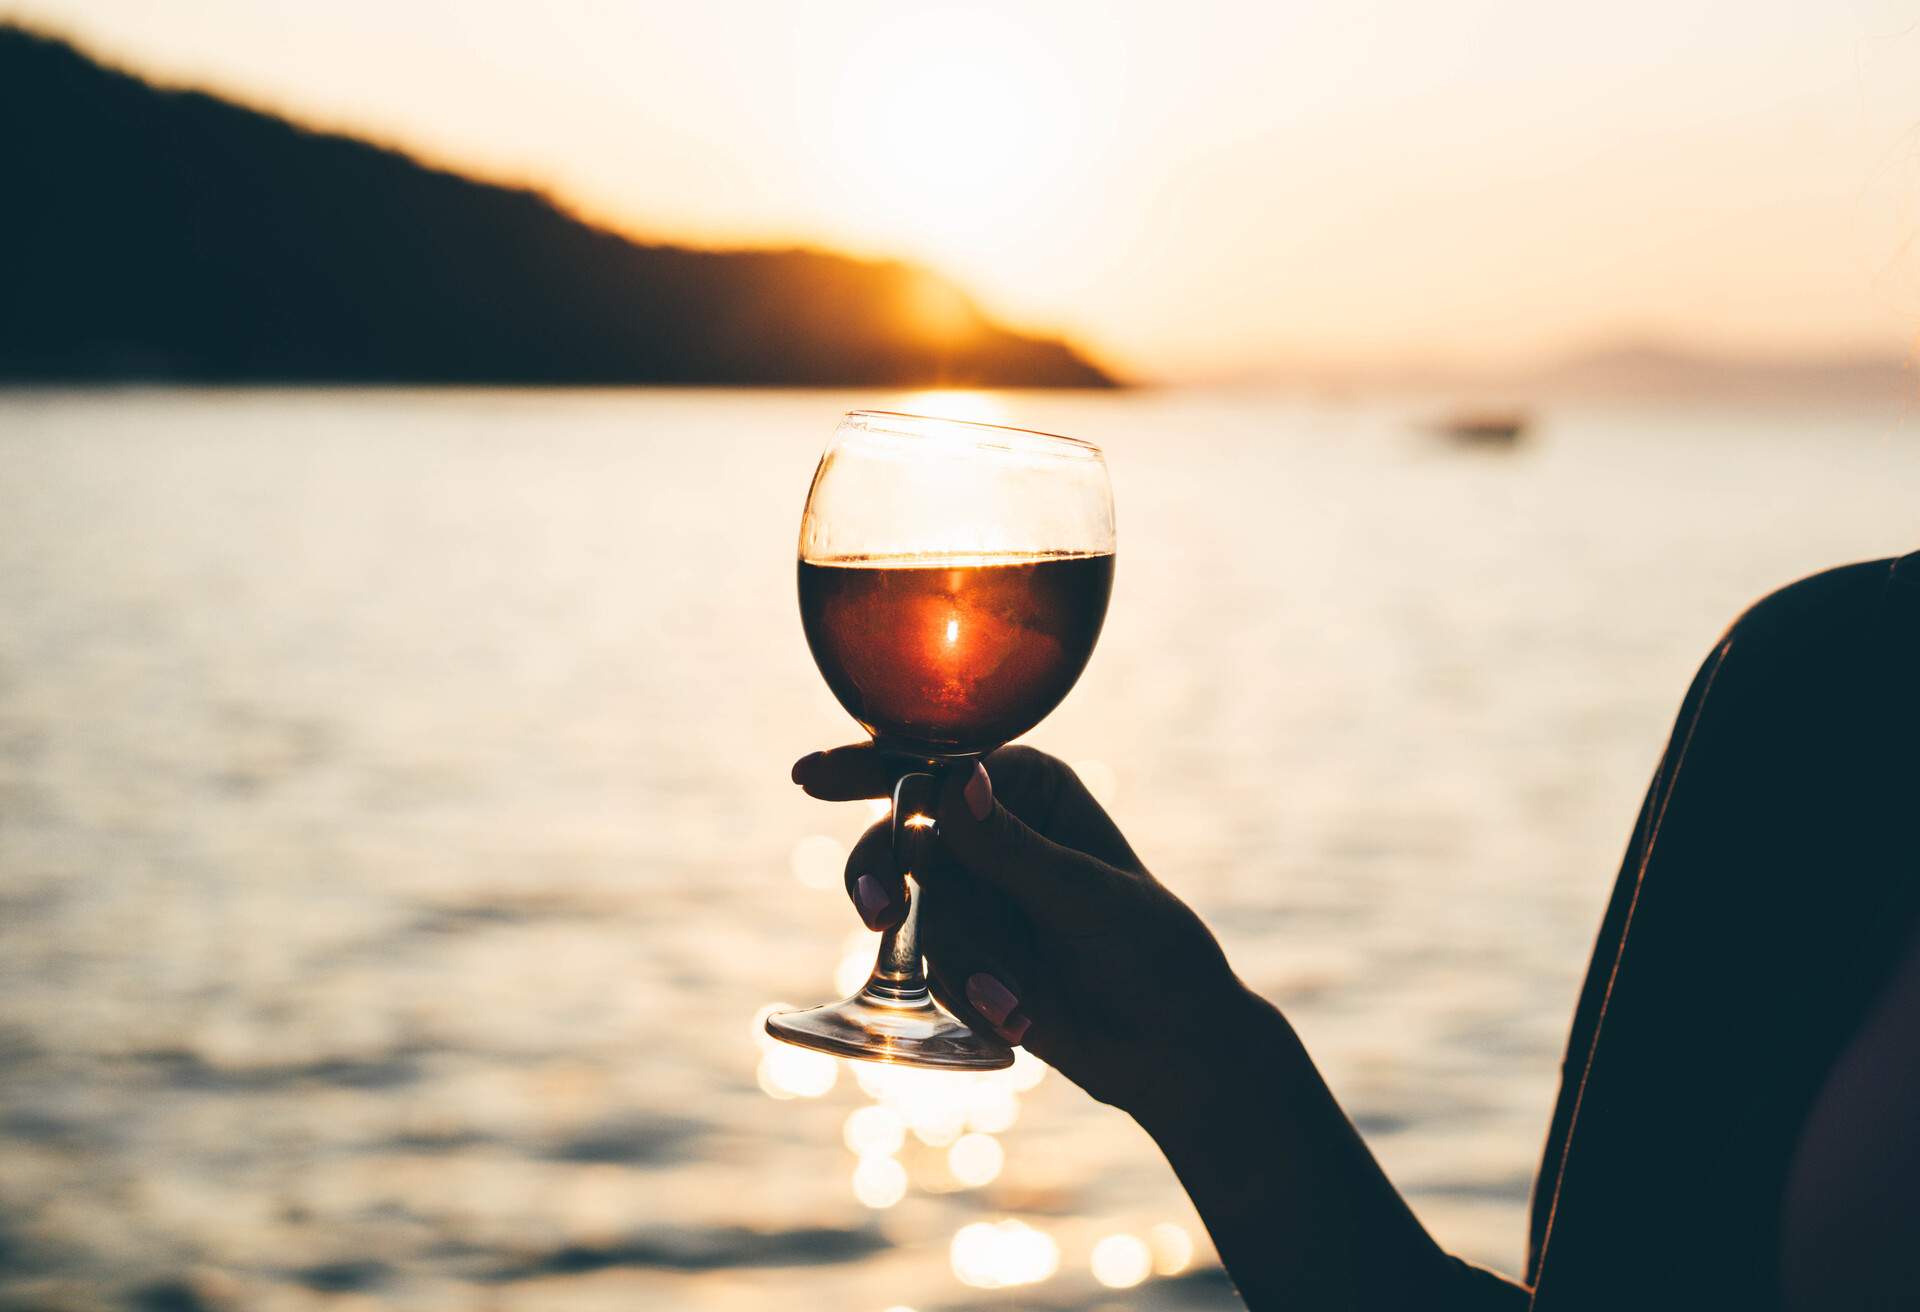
x=953, y=579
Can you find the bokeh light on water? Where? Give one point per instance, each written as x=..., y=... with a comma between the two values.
x=947, y=1124
x=818, y=860
x=1121, y=1261
x=976, y=1159
x=876, y=1128
x=1172, y=1248
x=855, y=964
x=998, y=1255
x=879, y=1181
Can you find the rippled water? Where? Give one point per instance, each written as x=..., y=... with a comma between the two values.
x=396, y=843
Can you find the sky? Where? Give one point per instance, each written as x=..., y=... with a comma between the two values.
x=1191, y=191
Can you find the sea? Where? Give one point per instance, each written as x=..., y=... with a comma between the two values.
x=397, y=851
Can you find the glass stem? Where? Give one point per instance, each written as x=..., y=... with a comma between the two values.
x=898, y=975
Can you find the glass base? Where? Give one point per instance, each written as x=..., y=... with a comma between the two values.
x=909, y=1031
x=894, y=1018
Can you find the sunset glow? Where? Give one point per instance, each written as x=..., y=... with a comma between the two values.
x=950, y=120
x=957, y=403
x=1195, y=191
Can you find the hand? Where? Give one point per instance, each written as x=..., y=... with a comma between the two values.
x=1042, y=926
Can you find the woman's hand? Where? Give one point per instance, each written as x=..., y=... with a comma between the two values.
x=1043, y=927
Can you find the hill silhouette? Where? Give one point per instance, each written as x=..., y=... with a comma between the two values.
x=152, y=233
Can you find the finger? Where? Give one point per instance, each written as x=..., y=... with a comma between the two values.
x=877, y=890
x=955, y=992
x=846, y=774
x=954, y=1001
x=876, y=884
x=1054, y=885
x=1045, y=792
x=980, y=984
x=996, y=1001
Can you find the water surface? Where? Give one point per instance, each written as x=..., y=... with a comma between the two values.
x=396, y=841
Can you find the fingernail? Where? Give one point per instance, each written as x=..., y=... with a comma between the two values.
x=803, y=763
x=873, y=900
x=979, y=792
x=1014, y=1030
x=991, y=998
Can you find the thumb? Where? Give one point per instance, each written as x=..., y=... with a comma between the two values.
x=1056, y=886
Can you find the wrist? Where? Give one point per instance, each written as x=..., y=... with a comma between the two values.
x=1233, y=1060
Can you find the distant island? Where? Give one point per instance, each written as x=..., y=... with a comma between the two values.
x=172, y=235
x=1657, y=369
x=1631, y=369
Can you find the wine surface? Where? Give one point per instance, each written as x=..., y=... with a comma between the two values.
x=953, y=657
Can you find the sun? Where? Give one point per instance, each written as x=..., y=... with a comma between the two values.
x=952, y=124
x=957, y=403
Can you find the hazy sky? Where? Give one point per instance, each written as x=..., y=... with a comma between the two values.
x=1190, y=189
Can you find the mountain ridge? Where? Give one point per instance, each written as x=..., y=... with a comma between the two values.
x=162, y=233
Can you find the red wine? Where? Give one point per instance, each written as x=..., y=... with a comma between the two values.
x=950, y=658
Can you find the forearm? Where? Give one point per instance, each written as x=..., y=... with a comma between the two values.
x=1302, y=1215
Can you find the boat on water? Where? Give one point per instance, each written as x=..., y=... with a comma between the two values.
x=1491, y=428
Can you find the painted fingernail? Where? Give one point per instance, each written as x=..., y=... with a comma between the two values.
x=979, y=792
x=873, y=900
x=1014, y=1030
x=991, y=998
